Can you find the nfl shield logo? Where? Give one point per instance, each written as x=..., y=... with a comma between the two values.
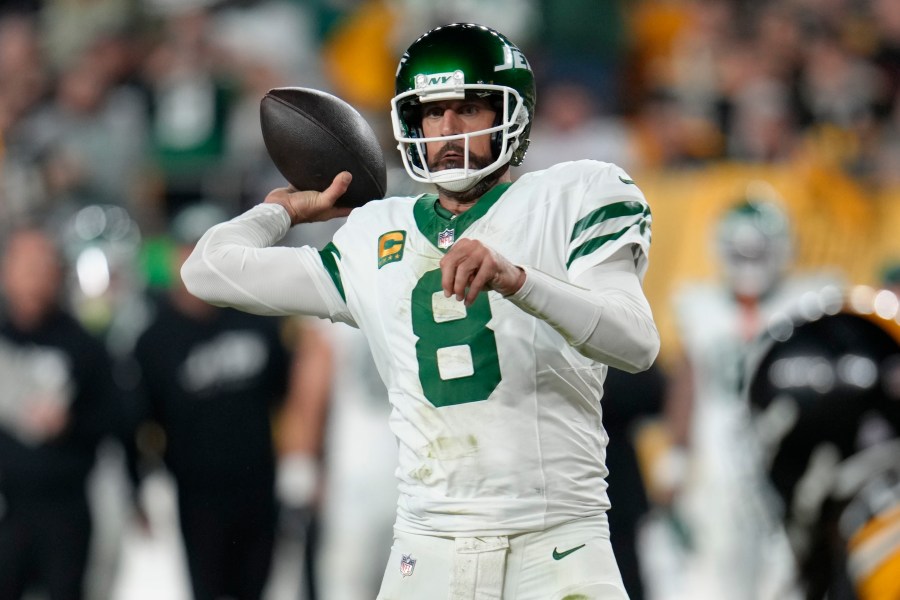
x=445, y=238
x=407, y=564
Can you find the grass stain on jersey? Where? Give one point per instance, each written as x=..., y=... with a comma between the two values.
x=422, y=473
x=448, y=448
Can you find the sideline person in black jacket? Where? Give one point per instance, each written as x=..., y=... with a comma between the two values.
x=58, y=400
x=219, y=383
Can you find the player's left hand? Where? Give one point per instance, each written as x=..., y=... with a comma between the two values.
x=470, y=267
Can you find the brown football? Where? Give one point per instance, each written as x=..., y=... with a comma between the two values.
x=311, y=136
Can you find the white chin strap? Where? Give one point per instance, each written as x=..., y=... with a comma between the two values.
x=458, y=180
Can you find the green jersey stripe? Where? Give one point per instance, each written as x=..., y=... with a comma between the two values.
x=594, y=243
x=330, y=255
x=626, y=208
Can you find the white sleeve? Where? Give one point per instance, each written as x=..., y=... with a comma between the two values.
x=603, y=314
x=235, y=264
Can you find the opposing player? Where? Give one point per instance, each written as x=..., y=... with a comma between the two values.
x=824, y=386
x=492, y=310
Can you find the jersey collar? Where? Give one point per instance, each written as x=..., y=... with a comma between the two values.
x=441, y=227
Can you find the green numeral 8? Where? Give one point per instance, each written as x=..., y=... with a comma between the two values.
x=456, y=339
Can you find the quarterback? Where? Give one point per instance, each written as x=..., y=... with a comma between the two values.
x=492, y=310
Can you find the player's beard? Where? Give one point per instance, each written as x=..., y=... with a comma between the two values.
x=476, y=162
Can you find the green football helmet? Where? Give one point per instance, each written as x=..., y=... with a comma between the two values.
x=447, y=63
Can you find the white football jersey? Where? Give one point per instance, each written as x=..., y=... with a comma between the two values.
x=498, y=419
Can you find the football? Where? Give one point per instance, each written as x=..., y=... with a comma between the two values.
x=311, y=136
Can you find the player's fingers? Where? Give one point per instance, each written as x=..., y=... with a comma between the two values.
x=448, y=266
x=338, y=186
x=465, y=270
x=479, y=281
x=310, y=206
x=458, y=266
x=447, y=275
x=484, y=273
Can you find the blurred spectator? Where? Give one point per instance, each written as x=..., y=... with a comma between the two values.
x=58, y=402
x=191, y=97
x=22, y=69
x=24, y=79
x=694, y=74
x=571, y=127
x=214, y=380
x=760, y=126
x=732, y=544
x=666, y=138
x=584, y=41
x=519, y=19
x=93, y=134
x=885, y=21
x=268, y=44
x=835, y=85
x=69, y=28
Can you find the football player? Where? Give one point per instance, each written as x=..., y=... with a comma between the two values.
x=492, y=309
x=730, y=543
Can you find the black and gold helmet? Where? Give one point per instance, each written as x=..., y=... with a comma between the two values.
x=824, y=388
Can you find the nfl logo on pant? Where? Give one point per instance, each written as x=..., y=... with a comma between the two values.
x=407, y=564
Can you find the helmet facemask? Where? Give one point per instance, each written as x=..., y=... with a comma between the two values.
x=511, y=126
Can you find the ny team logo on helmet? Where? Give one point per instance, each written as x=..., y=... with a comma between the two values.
x=447, y=63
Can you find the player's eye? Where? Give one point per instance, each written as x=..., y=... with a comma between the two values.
x=469, y=110
x=433, y=112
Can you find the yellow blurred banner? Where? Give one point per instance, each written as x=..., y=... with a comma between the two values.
x=358, y=57
x=837, y=225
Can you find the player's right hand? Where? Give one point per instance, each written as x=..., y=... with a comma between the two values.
x=470, y=267
x=311, y=206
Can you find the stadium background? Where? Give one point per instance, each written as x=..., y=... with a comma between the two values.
x=674, y=127
x=697, y=99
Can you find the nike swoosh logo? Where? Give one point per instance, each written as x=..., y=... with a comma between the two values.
x=628, y=181
x=557, y=555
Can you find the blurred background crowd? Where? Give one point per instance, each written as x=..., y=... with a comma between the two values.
x=764, y=130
